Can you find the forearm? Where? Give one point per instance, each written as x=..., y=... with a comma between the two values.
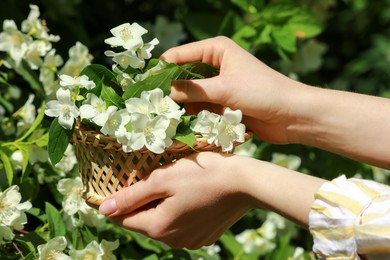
x=354, y=125
x=275, y=188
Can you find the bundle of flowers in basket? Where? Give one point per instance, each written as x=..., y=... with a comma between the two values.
x=122, y=122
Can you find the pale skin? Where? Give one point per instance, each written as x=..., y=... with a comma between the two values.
x=191, y=202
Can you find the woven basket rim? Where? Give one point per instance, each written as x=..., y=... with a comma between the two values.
x=86, y=135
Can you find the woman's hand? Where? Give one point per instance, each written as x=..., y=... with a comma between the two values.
x=280, y=110
x=245, y=83
x=189, y=203
x=192, y=202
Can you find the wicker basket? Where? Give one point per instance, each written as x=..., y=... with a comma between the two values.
x=105, y=168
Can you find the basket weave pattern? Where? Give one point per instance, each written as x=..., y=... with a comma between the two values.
x=105, y=168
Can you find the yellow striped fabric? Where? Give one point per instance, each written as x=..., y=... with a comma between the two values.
x=351, y=218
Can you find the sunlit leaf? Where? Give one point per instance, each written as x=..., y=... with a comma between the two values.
x=58, y=141
x=56, y=224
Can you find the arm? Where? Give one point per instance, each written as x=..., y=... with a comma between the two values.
x=193, y=201
x=281, y=110
x=349, y=124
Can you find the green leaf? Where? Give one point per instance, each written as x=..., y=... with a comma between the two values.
x=36, y=123
x=196, y=70
x=54, y=219
x=30, y=76
x=230, y=243
x=30, y=241
x=82, y=236
x=244, y=36
x=231, y=23
x=38, y=213
x=111, y=97
x=24, y=149
x=6, y=104
x=97, y=72
x=184, y=133
x=42, y=140
x=161, y=80
x=188, y=139
x=148, y=243
x=249, y=6
x=285, y=38
x=58, y=141
x=7, y=166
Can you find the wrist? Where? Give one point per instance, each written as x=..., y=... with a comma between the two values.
x=306, y=112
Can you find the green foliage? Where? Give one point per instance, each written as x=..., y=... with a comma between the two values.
x=58, y=141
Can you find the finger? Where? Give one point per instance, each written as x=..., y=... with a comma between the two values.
x=131, y=198
x=208, y=51
x=199, y=90
x=139, y=221
x=196, y=107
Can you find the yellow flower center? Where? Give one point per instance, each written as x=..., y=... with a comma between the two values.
x=52, y=255
x=163, y=107
x=125, y=34
x=149, y=136
x=6, y=210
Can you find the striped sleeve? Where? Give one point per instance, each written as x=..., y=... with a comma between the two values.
x=351, y=217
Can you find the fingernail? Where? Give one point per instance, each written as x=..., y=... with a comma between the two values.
x=108, y=207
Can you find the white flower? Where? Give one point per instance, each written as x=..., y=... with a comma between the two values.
x=68, y=161
x=164, y=105
x=288, y=161
x=27, y=113
x=91, y=251
x=34, y=53
x=126, y=59
x=11, y=210
x=37, y=154
x=124, y=80
x=229, y=129
x=153, y=71
x=213, y=249
x=64, y=108
x=95, y=109
x=6, y=234
x=298, y=254
x=107, y=247
x=37, y=28
x=253, y=242
x=205, y=124
x=116, y=122
x=144, y=52
x=126, y=35
x=17, y=159
x=139, y=105
x=149, y=132
x=72, y=189
x=13, y=41
x=222, y=130
x=77, y=81
x=79, y=58
x=53, y=249
x=48, y=70
x=246, y=149
x=92, y=218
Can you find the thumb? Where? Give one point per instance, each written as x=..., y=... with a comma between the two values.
x=131, y=198
x=198, y=90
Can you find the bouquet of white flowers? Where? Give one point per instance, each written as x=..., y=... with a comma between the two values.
x=123, y=122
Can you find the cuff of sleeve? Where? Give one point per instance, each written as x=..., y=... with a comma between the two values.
x=335, y=212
